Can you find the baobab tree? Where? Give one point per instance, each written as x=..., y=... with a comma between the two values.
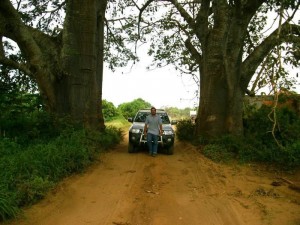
x=61, y=46
x=220, y=41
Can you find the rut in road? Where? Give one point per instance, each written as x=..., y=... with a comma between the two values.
x=181, y=189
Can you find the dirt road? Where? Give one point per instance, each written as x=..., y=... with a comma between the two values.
x=181, y=189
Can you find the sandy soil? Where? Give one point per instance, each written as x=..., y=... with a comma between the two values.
x=182, y=189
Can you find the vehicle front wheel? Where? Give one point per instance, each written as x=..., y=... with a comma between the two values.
x=169, y=150
x=131, y=148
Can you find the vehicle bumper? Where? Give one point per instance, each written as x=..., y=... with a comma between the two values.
x=167, y=140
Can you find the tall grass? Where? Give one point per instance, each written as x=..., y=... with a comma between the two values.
x=28, y=172
x=258, y=144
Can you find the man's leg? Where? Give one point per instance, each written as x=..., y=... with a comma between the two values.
x=149, y=143
x=155, y=144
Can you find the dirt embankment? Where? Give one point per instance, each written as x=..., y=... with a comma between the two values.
x=181, y=189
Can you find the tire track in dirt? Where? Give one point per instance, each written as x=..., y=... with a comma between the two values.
x=187, y=196
x=181, y=189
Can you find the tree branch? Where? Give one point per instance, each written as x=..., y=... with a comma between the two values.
x=13, y=28
x=202, y=19
x=185, y=15
x=196, y=55
x=35, y=45
x=290, y=33
x=13, y=64
x=140, y=14
x=251, y=6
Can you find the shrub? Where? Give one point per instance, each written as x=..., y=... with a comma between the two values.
x=218, y=153
x=109, y=111
x=8, y=209
x=129, y=109
x=258, y=144
x=185, y=130
x=27, y=173
x=279, y=148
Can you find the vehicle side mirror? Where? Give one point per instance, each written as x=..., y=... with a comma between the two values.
x=130, y=119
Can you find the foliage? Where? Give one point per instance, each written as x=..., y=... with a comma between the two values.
x=28, y=172
x=286, y=130
x=258, y=144
x=38, y=64
x=129, y=109
x=217, y=152
x=38, y=149
x=175, y=30
x=11, y=82
x=48, y=17
x=7, y=208
x=110, y=112
x=178, y=114
x=23, y=118
x=119, y=122
x=179, y=33
x=185, y=130
x=261, y=145
x=199, y=37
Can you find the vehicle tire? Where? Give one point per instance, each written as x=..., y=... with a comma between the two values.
x=131, y=148
x=170, y=150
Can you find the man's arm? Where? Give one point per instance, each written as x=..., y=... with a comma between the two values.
x=146, y=126
x=160, y=129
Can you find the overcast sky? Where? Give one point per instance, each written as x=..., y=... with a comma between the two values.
x=160, y=87
x=163, y=87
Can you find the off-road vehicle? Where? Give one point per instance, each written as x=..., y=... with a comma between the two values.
x=137, y=139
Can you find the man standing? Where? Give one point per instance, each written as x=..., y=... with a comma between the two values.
x=153, y=128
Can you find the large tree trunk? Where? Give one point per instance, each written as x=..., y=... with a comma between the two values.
x=100, y=56
x=79, y=92
x=68, y=68
x=221, y=94
x=220, y=110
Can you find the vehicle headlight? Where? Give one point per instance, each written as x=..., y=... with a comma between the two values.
x=168, y=132
x=135, y=131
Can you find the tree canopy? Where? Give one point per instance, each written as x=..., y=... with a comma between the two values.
x=61, y=46
x=129, y=109
x=225, y=45
x=175, y=35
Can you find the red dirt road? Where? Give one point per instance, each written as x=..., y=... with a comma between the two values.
x=182, y=189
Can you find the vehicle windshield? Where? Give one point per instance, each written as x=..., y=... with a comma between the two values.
x=141, y=117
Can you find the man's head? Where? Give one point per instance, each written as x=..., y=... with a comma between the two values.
x=153, y=110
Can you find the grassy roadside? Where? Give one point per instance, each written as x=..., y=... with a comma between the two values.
x=28, y=172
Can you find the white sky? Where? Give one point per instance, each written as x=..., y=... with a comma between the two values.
x=160, y=87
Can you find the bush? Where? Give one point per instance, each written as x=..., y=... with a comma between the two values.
x=185, y=130
x=218, y=153
x=27, y=173
x=109, y=111
x=277, y=144
x=8, y=208
x=129, y=109
x=259, y=144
